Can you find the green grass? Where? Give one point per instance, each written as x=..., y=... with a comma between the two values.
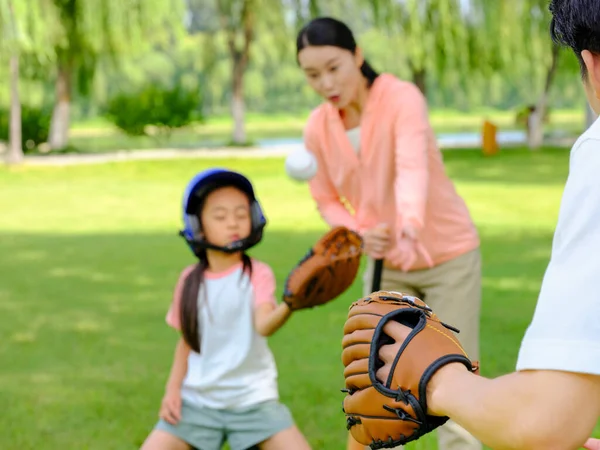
x=89, y=256
x=99, y=135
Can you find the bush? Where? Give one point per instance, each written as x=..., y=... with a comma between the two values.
x=155, y=107
x=35, y=126
x=523, y=113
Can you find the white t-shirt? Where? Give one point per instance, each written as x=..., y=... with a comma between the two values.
x=565, y=331
x=354, y=137
x=235, y=367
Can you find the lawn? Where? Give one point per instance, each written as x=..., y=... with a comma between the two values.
x=89, y=256
x=99, y=135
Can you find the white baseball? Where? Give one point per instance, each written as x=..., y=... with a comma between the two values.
x=301, y=165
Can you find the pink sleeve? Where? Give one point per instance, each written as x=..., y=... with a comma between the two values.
x=411, y=143
x=173, y=315
x=322, y=189
x=263, y=283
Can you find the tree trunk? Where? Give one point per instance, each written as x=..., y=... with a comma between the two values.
x=590, y=115
x=535, y=135
x=237, y=102
x=15, y=145
x=240, y=59
x=419, y=78
x=59, y=125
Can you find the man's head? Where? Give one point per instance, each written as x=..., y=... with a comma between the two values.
x=576, y=24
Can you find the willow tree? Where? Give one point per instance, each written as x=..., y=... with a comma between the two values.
x=529, y=56
x=23, y=30
x=236, y=25
x=91, y=29
x=518, y=31
x=430, y=36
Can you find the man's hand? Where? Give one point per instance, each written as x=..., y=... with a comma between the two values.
x=387, y=354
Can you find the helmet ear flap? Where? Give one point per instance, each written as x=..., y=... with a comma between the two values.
x=256, y=215
x=192, y=230
x=195, y=228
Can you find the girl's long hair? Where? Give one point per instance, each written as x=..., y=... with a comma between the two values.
x=191, y=298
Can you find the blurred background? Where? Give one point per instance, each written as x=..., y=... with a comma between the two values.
x=89, y=254
x=102, y=75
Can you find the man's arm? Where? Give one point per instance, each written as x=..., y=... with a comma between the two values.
x=524, y=410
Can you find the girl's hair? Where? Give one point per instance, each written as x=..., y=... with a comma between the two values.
x=192, y=285
x=328, y=31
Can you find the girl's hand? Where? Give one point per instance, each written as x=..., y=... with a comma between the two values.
x=170, y=408
x=377, y=241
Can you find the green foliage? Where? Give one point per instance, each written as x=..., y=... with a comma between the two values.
x=154, y=107
x=524, y=112
x=35, y=125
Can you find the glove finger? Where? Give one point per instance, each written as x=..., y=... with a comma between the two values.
x=356, y=375
x=368, y=402
x=355, y=352
x=370, y=430
x=357, y=367
x=361, y=321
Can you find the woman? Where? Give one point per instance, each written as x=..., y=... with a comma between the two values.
x=381, y=173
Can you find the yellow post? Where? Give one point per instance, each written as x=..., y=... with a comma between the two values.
x=490, y=143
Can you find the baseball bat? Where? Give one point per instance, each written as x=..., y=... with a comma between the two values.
x=377, y=275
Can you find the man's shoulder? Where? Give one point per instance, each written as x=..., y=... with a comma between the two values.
x=589, y=138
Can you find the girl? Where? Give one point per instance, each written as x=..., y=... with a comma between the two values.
x=376, y=152
x=223, y=382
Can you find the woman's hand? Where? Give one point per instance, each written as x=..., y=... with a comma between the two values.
x=407, y=250
x=377, y=241
x=170, y=408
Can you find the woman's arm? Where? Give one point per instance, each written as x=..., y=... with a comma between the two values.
x=322, y=190
x=411, y=140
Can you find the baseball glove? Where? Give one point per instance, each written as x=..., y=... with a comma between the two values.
x=394, y=412
x=326, y=271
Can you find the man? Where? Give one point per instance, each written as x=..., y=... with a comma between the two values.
x=553, y=400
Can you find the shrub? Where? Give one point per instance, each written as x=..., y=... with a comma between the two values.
x=152, y=106
x=35, y=125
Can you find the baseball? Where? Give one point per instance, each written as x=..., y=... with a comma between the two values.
x=301, y=165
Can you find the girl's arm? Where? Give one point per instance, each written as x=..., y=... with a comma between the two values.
x=179, y=367
x=268, y=318
x=268, y=315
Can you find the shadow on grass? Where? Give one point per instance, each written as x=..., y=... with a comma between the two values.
x=88, y=352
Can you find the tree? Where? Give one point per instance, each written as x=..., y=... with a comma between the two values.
x=238, y=20
x=23, y=31
x=431, y=36
x=238, y=23
x=15, y=149
x=93, y=29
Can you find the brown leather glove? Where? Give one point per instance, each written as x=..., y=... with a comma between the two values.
x=327, y=270
x=394, y=412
